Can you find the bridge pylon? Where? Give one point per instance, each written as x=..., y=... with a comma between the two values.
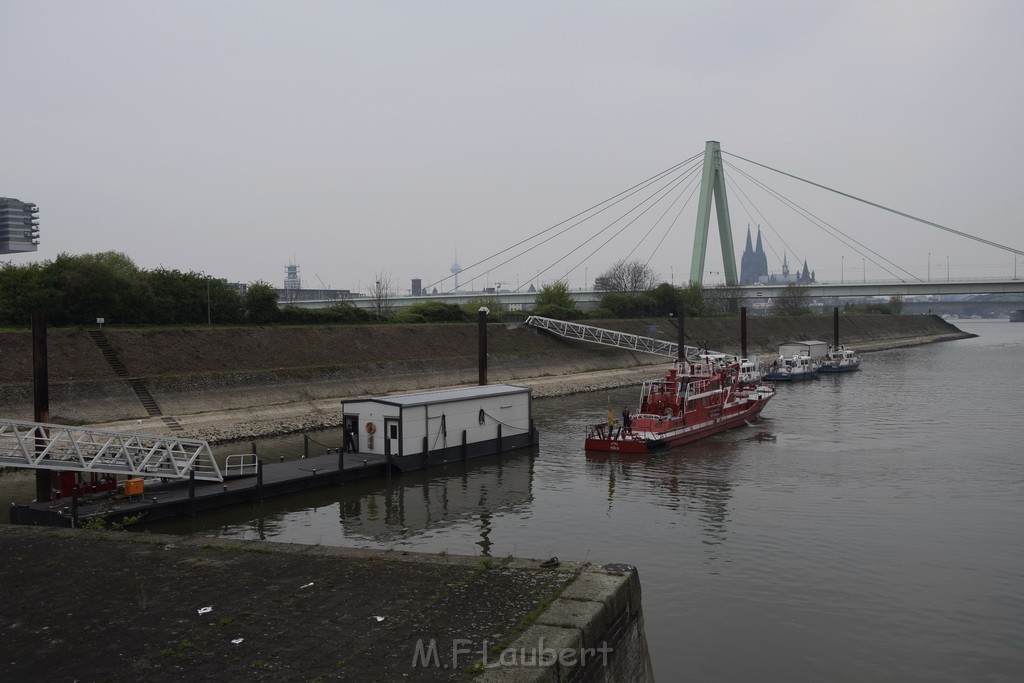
x=712, y=184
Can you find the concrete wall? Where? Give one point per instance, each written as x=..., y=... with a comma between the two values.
x=594, y=631
x=196, y=370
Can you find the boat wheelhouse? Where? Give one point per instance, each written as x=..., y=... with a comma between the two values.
x=792, y=369
x=797, y=360
x=693, y=401
x=840, y=360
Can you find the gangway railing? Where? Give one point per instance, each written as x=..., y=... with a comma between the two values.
x=39, y=445
x=621, y=340
x=241, y=464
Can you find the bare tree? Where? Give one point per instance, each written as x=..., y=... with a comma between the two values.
x=792, y=300
x=723, y=298
x=626, y=276
x=896, y=303
x=382, y=293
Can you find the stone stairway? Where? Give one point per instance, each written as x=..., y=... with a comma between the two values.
x=137, y=385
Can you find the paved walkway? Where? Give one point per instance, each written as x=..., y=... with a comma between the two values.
x=80, y=605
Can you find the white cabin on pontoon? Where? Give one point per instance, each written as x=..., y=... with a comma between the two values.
x=813, y=348
x=413, y=431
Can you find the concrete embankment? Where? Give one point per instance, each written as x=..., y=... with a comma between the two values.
x=241, y=383
x=87, y=605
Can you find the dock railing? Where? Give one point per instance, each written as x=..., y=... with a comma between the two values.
x=241, y=465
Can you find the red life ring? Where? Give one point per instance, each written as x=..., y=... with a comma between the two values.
x=370, y=428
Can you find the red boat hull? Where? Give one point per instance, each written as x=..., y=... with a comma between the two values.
x=677, y=437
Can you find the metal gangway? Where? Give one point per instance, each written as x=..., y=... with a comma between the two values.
x=39, y=445
x=622, y=340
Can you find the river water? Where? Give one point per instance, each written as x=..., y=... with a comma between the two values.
x=869, y=527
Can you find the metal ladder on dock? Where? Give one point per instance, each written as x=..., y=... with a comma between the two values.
x=38, y=445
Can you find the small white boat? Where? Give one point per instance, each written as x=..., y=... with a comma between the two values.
x=841, y=360
x=792, y=368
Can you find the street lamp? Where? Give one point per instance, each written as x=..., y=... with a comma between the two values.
x=929, y=266
x=864, y=265
x=842, y=268
x=207, y=279
x=947, y=267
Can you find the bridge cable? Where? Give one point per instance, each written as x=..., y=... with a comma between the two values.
x=672, y=224
x=821, y=224
x=693, y=175
x=581, y=213
x=884, y=208
x=817, y=222
x=592, y=237
x=663, y=191
x=740, y=195
x=828, y=228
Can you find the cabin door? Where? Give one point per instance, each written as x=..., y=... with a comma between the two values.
x=350, y=434
x=392, y=444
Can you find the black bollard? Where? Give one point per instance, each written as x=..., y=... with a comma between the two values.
x=74, y=507
x=259, y=480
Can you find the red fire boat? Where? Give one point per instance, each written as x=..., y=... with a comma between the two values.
x=693, y=401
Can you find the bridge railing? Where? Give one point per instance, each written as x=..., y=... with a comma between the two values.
x=39, y=445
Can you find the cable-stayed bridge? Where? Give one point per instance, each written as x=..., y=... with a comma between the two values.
x=643, y=216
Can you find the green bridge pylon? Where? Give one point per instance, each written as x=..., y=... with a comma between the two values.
x=713, y=184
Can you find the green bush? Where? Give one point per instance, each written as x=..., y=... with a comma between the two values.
x=434, y=312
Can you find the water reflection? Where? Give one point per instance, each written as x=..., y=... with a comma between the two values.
x=383, y=511
x=687, y=480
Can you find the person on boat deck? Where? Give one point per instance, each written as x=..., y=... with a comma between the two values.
x=627, y=420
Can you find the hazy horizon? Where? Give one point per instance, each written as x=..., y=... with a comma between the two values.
x=355, y=139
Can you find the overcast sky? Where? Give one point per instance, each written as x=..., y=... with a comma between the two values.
x=361, y=138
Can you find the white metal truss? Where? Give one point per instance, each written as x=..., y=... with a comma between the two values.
x=78, y=449
x=600, y=335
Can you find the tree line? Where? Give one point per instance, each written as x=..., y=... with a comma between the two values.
x=77, y=290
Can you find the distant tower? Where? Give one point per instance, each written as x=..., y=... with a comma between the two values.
x=19, y=226
x=292, y=281
x=456, y=269
x=754, y=263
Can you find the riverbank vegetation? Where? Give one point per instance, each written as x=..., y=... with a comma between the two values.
x=80, y=290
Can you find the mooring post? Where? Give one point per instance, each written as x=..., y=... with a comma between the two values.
x=681, y=343
x=74, y=507
x=743, y=332
x=835, y=328
x=305, y=445
x=481, y=329
x=41, y=399
x=191, y=493
x=259, y=480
